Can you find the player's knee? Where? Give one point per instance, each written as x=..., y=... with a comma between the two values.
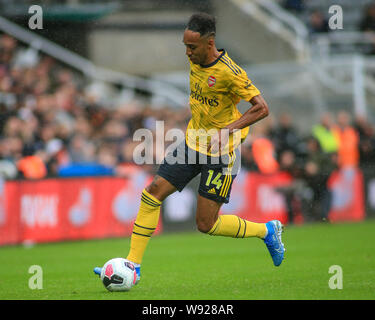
x=160, y=188
x=204, y=226
x=152, y=189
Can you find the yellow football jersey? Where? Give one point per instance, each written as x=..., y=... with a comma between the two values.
x=215, y=91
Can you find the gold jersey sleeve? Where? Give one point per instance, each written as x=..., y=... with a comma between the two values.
x=215, y=91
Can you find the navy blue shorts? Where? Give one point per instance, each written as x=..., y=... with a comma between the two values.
x=217, y=173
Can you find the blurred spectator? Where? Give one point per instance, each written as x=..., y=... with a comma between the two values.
x=8, y=170
x=81, y=150
x=264, y=155
x=367, y=22
x=347, y=137
x=285, y=136
x=366, y=134
x=56, y=156
x=107, y=156
x=247, y=158
x=294, y=5
x=317, y=169
x=291, y=192
x=8, y=49
x=317, y=22
x=263, y=150
x=32, y=166
x=324, y=134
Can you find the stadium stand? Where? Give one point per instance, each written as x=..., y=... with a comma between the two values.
x=51, y=126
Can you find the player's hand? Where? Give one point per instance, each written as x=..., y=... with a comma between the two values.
x=214, y=144
x=218, y=141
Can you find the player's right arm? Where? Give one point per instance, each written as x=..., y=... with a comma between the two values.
x=241, y=86
x=258, y=111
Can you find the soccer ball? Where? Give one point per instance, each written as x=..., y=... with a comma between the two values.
x=118, y=274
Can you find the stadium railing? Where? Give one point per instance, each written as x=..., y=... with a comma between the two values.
x=279, y=21
x=325, y=44
x=168, y=93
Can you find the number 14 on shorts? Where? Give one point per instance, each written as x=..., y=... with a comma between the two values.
x=216, y=181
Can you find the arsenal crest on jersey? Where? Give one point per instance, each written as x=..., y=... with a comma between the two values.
x=211, y=81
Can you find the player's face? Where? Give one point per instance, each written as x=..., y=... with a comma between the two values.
x=197, y=47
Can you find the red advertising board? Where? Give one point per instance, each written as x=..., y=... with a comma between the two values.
x=348, y=203
x=69, y=209
x=255, y=197
x=86, y=208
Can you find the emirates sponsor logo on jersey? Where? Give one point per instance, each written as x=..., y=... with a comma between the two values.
x=197, y=94
x=211, y=81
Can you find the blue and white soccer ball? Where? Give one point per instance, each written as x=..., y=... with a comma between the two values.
x=118, y=274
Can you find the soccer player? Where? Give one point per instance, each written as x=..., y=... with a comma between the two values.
x=215, y=131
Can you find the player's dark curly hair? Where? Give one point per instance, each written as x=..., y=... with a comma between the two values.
x=203, y=23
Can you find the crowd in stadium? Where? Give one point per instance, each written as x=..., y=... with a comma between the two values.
x=52, y=125
x=48, y=114
x=50, y=119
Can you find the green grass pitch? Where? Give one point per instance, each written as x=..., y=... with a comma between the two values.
x=189, y=266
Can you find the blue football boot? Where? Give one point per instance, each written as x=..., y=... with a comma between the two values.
x=273, y=241
x=98, y=271
x=137, y=270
